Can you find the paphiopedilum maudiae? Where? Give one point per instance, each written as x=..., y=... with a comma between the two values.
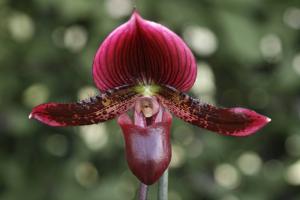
x=144, y=67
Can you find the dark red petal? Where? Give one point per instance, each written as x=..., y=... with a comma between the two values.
x=148, y=149
x=97, y=109
x=227, y=121
x=141, y=51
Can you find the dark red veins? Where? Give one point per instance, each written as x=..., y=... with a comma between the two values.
x=144, y=52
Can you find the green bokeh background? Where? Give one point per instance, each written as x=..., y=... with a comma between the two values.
x=46, y=54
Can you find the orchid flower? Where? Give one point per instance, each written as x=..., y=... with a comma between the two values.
x=144, y=68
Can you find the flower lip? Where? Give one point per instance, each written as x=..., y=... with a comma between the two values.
x=143, y=52
x=148, y=148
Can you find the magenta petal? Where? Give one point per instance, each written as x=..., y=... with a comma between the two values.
x=148, y=149
x=94, y=110
x=141, y=51
x=226, y=121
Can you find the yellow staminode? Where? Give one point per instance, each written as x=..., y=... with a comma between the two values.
x=147, y=90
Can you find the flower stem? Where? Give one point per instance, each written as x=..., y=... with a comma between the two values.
x=134, y=2
x=163, y=186
x=143, y=192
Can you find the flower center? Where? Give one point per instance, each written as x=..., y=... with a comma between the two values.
x=147, y=90
x=147, y=107
x=146, y=111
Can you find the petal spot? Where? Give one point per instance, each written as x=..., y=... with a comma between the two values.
x=105, y=101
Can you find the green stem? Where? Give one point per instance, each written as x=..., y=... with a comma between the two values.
x=143, y=192
x=163, y=186
x=134, y=2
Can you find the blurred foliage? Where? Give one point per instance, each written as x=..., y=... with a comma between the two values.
x=46, y=54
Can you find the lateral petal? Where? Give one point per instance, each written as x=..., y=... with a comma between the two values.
x=144, y=52
x=226, y=121
x=94, y=110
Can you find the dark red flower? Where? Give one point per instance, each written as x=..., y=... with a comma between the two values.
x=145, y=67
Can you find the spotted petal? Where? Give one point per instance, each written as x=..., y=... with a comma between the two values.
x=141, y=51
x=94, y=110
x=227, y=121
